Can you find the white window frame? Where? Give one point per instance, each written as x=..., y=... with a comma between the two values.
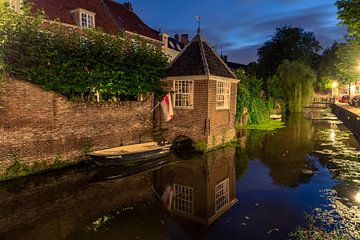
x=183, y=199
x=223, y=94
x=357, y=89
x=88, y=17
x=15, y=4
x=222, y=195
x=186, y=98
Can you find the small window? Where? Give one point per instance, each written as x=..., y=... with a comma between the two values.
x=183, y=96
x=183, y=199
x=87, y=20
x=222, y=195
x=223, y=95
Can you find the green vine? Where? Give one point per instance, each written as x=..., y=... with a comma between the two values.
x=78, y=64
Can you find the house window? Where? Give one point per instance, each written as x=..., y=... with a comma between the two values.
x=183, y=199
x=183, y=96
x=223, y=95
x=357, y=90
x=87, y=20
x=15, y=4
x=221, y=195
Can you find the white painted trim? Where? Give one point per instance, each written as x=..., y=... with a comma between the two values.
x=201, y=77
x=192, y=96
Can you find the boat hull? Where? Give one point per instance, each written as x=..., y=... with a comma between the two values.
x=131, y=158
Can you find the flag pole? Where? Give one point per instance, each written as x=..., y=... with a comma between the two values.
x=155, y=106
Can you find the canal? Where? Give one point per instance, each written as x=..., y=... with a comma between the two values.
x=280, y=183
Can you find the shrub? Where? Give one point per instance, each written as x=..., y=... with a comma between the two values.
x=79, y=63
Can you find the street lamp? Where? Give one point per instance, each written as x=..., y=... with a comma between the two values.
x=334, y=85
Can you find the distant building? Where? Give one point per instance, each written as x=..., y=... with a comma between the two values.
x=204, y=96
x=352, y=89
x=233, y=65
x=112, y=17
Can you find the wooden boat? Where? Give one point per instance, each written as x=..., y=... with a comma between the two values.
x=118, y=172
x=136, y=153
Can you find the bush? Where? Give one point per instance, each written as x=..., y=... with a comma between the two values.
x=79, y=63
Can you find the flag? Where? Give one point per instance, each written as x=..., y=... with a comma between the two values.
x=167, y=197
x=167, y=108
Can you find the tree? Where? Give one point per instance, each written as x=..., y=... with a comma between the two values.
x=288, y=43
x=326, y=68
x=348, y=64
x=298, y=79
x=349, y=14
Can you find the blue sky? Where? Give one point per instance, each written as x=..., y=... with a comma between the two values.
x=239, y=27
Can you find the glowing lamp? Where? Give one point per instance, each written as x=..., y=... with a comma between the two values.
x=334, y=84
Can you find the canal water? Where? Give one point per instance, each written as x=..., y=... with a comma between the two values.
x=280, y=183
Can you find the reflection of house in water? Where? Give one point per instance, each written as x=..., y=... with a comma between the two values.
x=203, y=188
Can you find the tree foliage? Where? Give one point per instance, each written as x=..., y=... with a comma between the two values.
x=249, y=96
x=298, y=80
x=348, y=64
x=349, y=14
x=77, y=63
x=326, y=67
x=288, y=43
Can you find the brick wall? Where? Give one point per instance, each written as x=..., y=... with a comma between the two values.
x=189, y=122
x=37, y=125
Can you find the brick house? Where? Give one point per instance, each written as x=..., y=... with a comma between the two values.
x=112, y=17
x=204, y=96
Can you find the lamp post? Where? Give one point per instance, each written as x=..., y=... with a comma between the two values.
x=334, y=85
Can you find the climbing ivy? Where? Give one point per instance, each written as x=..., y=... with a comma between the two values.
x=77, y=63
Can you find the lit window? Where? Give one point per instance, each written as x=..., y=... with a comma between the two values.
x=87, y=20
x=223, y=95
x=357, y=90
x=221, y=195
x=183, y=199
x=15, y=4
x=183, y=96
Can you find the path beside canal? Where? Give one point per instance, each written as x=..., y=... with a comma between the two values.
x=350, y=116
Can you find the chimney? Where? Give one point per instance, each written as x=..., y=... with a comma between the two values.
x=165, y=39
x=225, y=58
x=128, y=6
x=185, y=38
x=177, y=37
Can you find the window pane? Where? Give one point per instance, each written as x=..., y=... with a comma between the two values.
x=83, y=20
x=183, y=93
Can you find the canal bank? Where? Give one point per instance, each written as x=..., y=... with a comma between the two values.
x=350, y=116
x=261, y=191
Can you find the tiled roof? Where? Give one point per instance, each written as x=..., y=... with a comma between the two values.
x=130, y=21
x=60, y=9
x=198, y=58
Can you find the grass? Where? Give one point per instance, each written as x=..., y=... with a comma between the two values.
x=269, y=125
x=19, y=169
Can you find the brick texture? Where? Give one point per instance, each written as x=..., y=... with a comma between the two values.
x=204, y=122
x=38, y=125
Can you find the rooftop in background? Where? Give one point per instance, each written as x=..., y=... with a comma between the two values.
x=198, y=58
x=127, y=19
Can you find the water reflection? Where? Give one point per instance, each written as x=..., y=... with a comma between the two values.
x=203, y=188
x=73, y=205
